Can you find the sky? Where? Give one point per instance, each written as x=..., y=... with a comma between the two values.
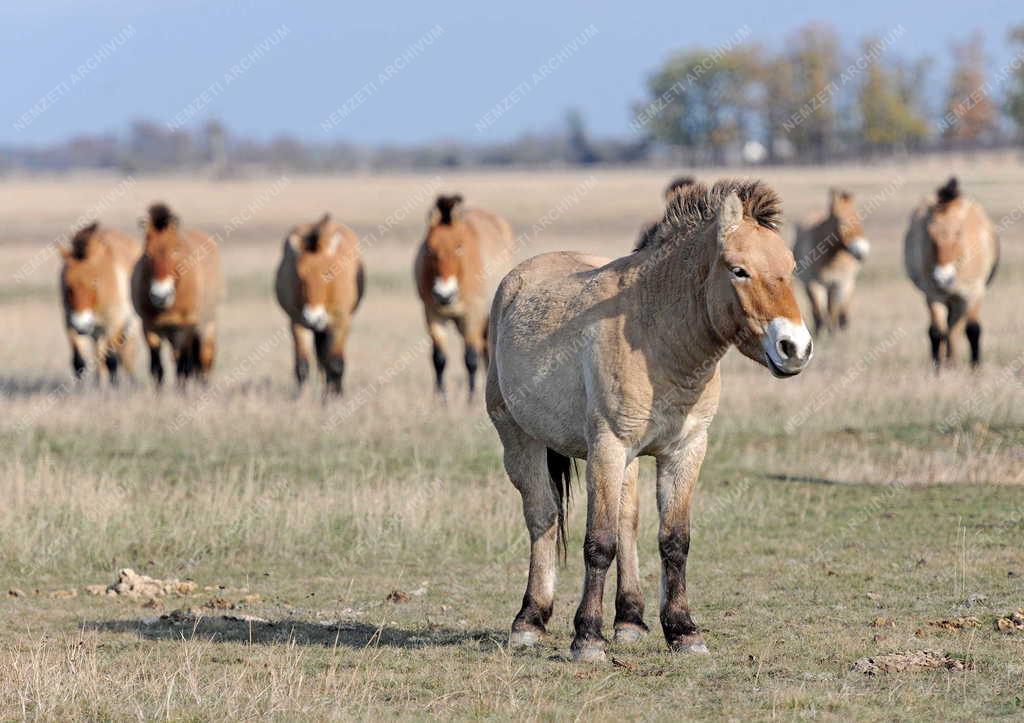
x=402, y=73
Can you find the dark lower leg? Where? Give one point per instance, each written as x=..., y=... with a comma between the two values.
x=676, y=622
x=599, y=550
x=974, y=338
x=156, y=365
x=937, y=337
x=472, y=363
x=111, y=361
x=439, y=364
x=301, y=369
x=334, y=370
x=78, y=363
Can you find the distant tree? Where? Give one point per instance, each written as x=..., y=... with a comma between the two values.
x=700, y=101
x=1014, y=105
x=580, y=149
x=888, y=105
x=969, y=116
x=813, y=52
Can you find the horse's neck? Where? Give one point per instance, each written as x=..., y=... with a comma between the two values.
x=670, y=284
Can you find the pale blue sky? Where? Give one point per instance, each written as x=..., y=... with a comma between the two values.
x=179, y=48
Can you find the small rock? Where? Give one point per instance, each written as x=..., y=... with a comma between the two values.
x=397, y=596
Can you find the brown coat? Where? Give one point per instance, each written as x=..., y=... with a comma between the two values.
x=176, y=288
x=951, y=252
x=455, y=269
x=94, y=282
x=319, y=284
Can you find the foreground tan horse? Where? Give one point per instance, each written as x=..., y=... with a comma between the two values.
x=176, y=287
x=829, y=251
x=450, y=272
x=951, y=252
x=98, y=315
x=610, y=360
x=319, y=284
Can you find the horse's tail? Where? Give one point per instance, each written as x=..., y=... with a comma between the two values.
x=560, y=469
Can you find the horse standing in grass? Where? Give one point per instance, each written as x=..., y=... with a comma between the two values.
x=98, y=312
x=176, y=287
x=829, y=252
x=319, y=284
x=951, y=252
x=610, y=360
x=450, y=272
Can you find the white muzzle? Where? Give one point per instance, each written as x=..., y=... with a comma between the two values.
x=161, y=292
x=787, y=346
x=315, y=317
x=860, y=248
x=82, y=321
x=445, y=289
x=944, y=275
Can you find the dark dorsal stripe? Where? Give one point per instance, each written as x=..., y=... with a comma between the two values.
x=445, y=206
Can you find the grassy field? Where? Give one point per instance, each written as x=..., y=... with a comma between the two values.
x=364, y=558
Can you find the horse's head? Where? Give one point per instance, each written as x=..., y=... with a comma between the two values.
x=843, y=211
x=445, y=249
x=85, y=279
x=317, y=263
x=164, y=254
x=750, y=294
x=945, y=231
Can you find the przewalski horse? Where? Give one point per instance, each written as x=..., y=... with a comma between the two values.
x=829, y=252
x=610, y=360
x=94, y=279
x=319, y=284
x=951, y=252
x=451, y=270
x=176, y=287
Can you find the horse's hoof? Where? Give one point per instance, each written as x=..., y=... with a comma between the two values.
x=628, y=633
x=525, y=638
x=588, y=653
x=689, y=644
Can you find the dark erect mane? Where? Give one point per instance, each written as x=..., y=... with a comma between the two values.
x=949, y=192
x=695, y=206
x=80, y=241
x=445, y=206
x=160, y=216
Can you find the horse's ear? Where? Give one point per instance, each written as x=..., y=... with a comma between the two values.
x=64, y=251
x=295, y=241
x=433, y=216
x=730, y=216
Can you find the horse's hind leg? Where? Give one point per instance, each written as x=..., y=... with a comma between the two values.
x=629, y=598
x=526, y=464
x=156, y=365
x=472, y=331
x=205, y=351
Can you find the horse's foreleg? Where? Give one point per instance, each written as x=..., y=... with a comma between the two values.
x=956, y=323
x=472, y=331
x=332, y=357
x=435, y=327
x=677, y=476
x=629, y=598
x=938, y=333
x=206, y=351
x=304, y=352
x=79, y=353
x=156, y=365
x=974, y=332
x=819, y=302
x=606, y=469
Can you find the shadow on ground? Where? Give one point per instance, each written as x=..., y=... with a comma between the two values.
x=226, y=629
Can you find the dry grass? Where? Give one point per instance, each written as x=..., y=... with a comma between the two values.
x=867, y=487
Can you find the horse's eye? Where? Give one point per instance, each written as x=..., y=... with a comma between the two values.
x=739, y=272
